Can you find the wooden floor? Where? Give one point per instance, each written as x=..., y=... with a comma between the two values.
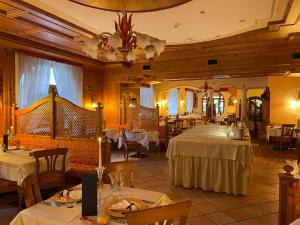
x=260, y=207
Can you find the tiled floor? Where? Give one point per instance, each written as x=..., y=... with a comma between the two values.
x=260, y=207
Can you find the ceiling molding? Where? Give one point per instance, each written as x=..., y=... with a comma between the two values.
x=136, y=6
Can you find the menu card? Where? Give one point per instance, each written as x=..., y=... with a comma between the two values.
x=89, y=194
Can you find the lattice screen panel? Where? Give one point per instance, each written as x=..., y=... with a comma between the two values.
x=72, y=121
x=35, y=122
x=142, y=117
x=148, y=117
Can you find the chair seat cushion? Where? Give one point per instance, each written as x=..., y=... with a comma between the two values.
x=77, y=170
x=7, y=186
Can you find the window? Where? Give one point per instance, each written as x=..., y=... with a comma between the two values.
x=218, y=102
x=52, y=78
x=173, y=102
x=147, y=97
x=35, y=75
x=189, y=101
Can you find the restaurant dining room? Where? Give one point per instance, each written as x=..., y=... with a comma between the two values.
x=145, y=112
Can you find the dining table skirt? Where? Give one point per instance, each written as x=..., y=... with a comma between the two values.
x=210, y=174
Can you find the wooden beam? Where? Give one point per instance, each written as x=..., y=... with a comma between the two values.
x=30, y=31
x=15, y=13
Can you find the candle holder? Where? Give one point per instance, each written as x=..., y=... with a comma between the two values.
x=100, y=171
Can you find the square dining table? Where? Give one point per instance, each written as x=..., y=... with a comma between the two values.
x=204, y=157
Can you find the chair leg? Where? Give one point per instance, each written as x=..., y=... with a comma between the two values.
x=20, y=198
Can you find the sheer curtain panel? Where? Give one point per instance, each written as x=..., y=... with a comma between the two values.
x=173, y=102
x=32, y=79
x=189, y=101
x=147, y=97
x=69, y=81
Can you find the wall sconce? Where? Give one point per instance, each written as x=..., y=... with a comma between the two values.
x=231, y=101
x=182, y=102
x=295, y=102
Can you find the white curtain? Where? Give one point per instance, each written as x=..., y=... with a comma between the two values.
x=69, y=81
x=173, y=102
x=189, y=101
x=32, y=79
x=147, y=97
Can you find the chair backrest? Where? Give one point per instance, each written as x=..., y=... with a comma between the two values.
x=287, y=130
x=162, y=215
x=297, y=131
x=31, y=190
x=288, y=195
x=125, y=141
x=51, y=156
x=178, y=124
x=163, y=133
x=119, y=171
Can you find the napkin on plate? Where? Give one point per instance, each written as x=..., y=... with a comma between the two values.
x=76, y=194
x=123, y=205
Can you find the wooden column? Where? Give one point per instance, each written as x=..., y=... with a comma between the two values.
x=52, y=114
x=99, y=119
x=157, y=110
x=13, y=118
x=8, y=86
x=244, y=104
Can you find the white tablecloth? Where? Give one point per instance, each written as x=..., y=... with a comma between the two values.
x=46, y=215
x=275, y=132
x=111, y=134
x=296, y=222
x=15, y=165
x=210, y=161
x=142, y=137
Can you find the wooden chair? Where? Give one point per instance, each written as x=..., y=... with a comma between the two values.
x=262, y=135
x=286, y=136
x=161, y=215
x=191, y=122
x=51, y=177
x=31, y=190
x=178, y=125
x=130, y=145
x=297, y=131
x=163, y=136
x=9, y=191
x=289, y=197
x=120, y=171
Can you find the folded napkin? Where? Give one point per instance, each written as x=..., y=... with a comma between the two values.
x=74, y=194
x=123, y=205
x=234, y=133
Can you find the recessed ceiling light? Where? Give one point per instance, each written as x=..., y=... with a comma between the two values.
x=176, y=25
x=202, y=12
x=242, y=21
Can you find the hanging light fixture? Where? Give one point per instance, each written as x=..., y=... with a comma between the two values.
x=122, y=43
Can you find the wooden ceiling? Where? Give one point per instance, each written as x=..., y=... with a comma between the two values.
x=262, y=52
x=27, y=27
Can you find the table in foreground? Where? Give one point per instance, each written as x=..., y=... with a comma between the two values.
x=211, y=162
x=41, y=214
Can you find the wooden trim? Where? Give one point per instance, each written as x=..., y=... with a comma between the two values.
x=47, y=48
x=42, y=13
x=43, y=56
